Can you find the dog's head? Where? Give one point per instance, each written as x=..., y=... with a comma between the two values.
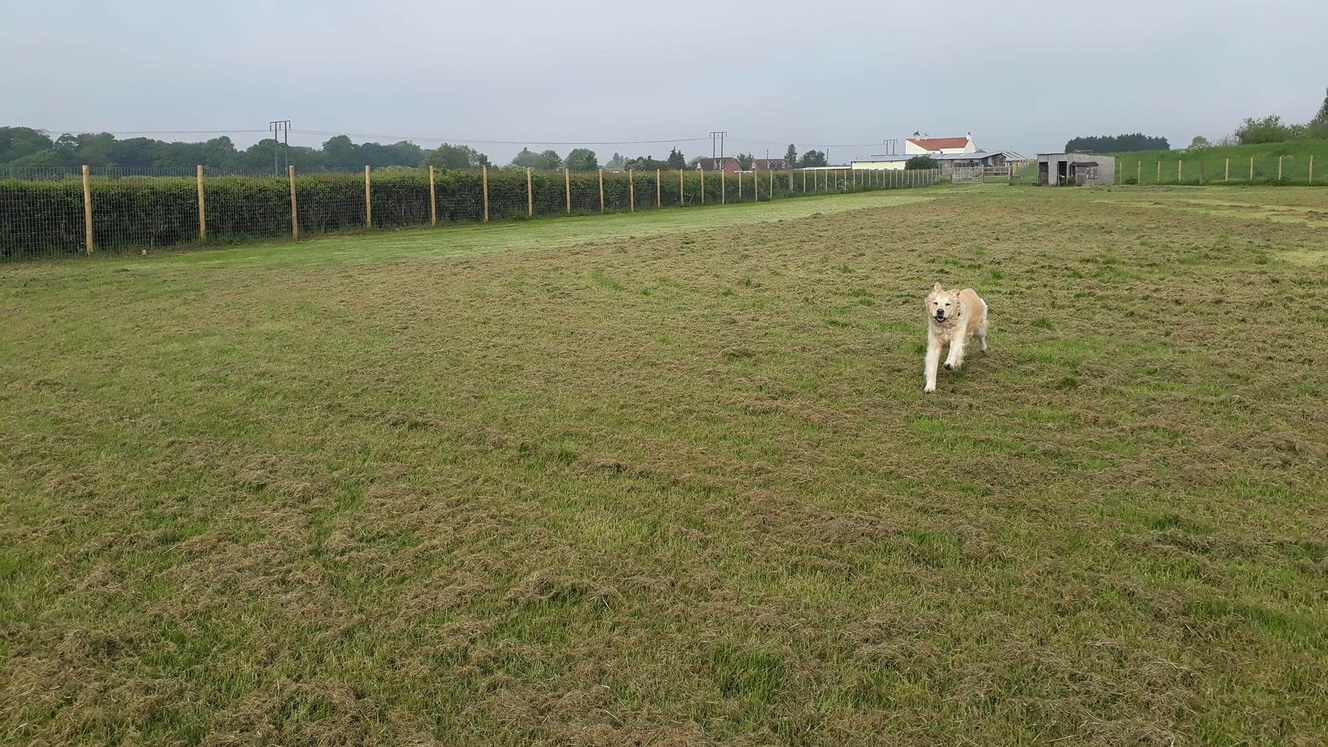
x=942, y=305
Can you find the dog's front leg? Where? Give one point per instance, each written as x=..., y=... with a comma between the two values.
x=956, y=357
x=932, y=360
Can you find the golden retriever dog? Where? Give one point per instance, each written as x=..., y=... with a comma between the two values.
x=953, y=318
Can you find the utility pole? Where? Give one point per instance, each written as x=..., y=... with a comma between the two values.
x=281, y=139
x=891, y=146
x=717, y=136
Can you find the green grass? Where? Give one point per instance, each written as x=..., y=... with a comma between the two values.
x=671, y=478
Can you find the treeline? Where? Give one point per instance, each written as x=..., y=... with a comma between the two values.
x=1271, y=129
x=24, y=147
x=1116, y=143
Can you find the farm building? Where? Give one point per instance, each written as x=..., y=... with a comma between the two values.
x=1060, y=169
x=727, y=164
x=921, y=145
x=946, y=161
x=770, y=164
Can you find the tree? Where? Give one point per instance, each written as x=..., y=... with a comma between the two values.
x=582, y=159
x=917, y=163
x=340, y=153
x=812, y=159
x=547, y=161
x=645, y=163
x=616, y=162
x=745, y=161
x=791, y=156
x=1199, y=143
x=676, y=160
x=1269, y=129
x=1322, y=117
x=17, y=142
x=448, y=156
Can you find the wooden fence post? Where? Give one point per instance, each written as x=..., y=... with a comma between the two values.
x=1226, y=175
x=1311, y=180
x=756, y=184
x=772, y=184
x=87, y=209
x=1279, y=168
x=1202, y=172
x=1180, y=169
x=294, y=216
x=659, y=188
x=484, y=182
x=740, y=185
x=433, y=199
x=1251, y=169
x=601, y=190
x=804, y=181
x=202, y=214
x=1159, y=171
x=790, y=181
x=723, y=187
x=682, y=194
x=368, y=201
x=567, y=188
x=631, y=191
x=702, y=186
x=1139, y=172
x=530, y=196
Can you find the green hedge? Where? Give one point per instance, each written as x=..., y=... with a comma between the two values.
x=40, y=219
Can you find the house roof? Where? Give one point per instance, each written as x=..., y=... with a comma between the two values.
x=937, y=143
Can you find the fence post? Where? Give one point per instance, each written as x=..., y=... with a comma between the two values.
x=368, y=201
x=1201, y=172
x=567, y=188
x=1226, y=175
x=294, y=216
x=1139, y=172
x=702, y=187
x=772, y=184
x=87, y=209
x=1279, y=168
x=659, y=188
x=530, y=196
x=804, y=181
x=739, y=184
x=756, y=184
x=1311, y=180
x=484, y=181
x=682, y=194
x=601, y=190
x=1180, y=169
x=1251, y=169
x=723, y=187
x=631, y=191
x=1159, y=171
x=790, y=181
x=433, y=199
x=202, y=213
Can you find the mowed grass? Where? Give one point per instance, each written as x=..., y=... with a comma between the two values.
x=679, y=484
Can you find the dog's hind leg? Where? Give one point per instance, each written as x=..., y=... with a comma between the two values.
x=982, y=329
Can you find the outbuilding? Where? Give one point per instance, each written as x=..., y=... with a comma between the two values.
x=1064, y=169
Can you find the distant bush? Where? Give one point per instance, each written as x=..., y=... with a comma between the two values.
x=1116, y=143
x=918, y=163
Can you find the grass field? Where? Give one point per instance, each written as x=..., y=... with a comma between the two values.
x=1300, y=161
x=671, y=479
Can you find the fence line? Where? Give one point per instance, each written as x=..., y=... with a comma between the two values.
x=1195, y=169
x=60, y=212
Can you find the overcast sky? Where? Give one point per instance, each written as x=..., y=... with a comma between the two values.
x=1021, y=75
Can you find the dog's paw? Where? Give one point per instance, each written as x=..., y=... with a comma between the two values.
x=928, y=389
x=949, y=366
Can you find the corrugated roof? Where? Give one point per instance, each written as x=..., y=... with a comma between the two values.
x=937, y=143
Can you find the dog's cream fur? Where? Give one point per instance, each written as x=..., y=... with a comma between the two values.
x=953, y=318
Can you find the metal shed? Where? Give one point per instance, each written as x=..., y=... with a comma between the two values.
x=1061, y=169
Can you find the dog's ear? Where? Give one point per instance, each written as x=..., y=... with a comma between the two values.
x=937, y=288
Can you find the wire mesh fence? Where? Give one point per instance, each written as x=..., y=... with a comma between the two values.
x=1206, y=170
x=51, y=212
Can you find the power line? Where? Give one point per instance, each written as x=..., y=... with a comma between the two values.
x=475, y=141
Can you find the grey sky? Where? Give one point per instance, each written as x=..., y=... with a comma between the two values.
x=1024, y=75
